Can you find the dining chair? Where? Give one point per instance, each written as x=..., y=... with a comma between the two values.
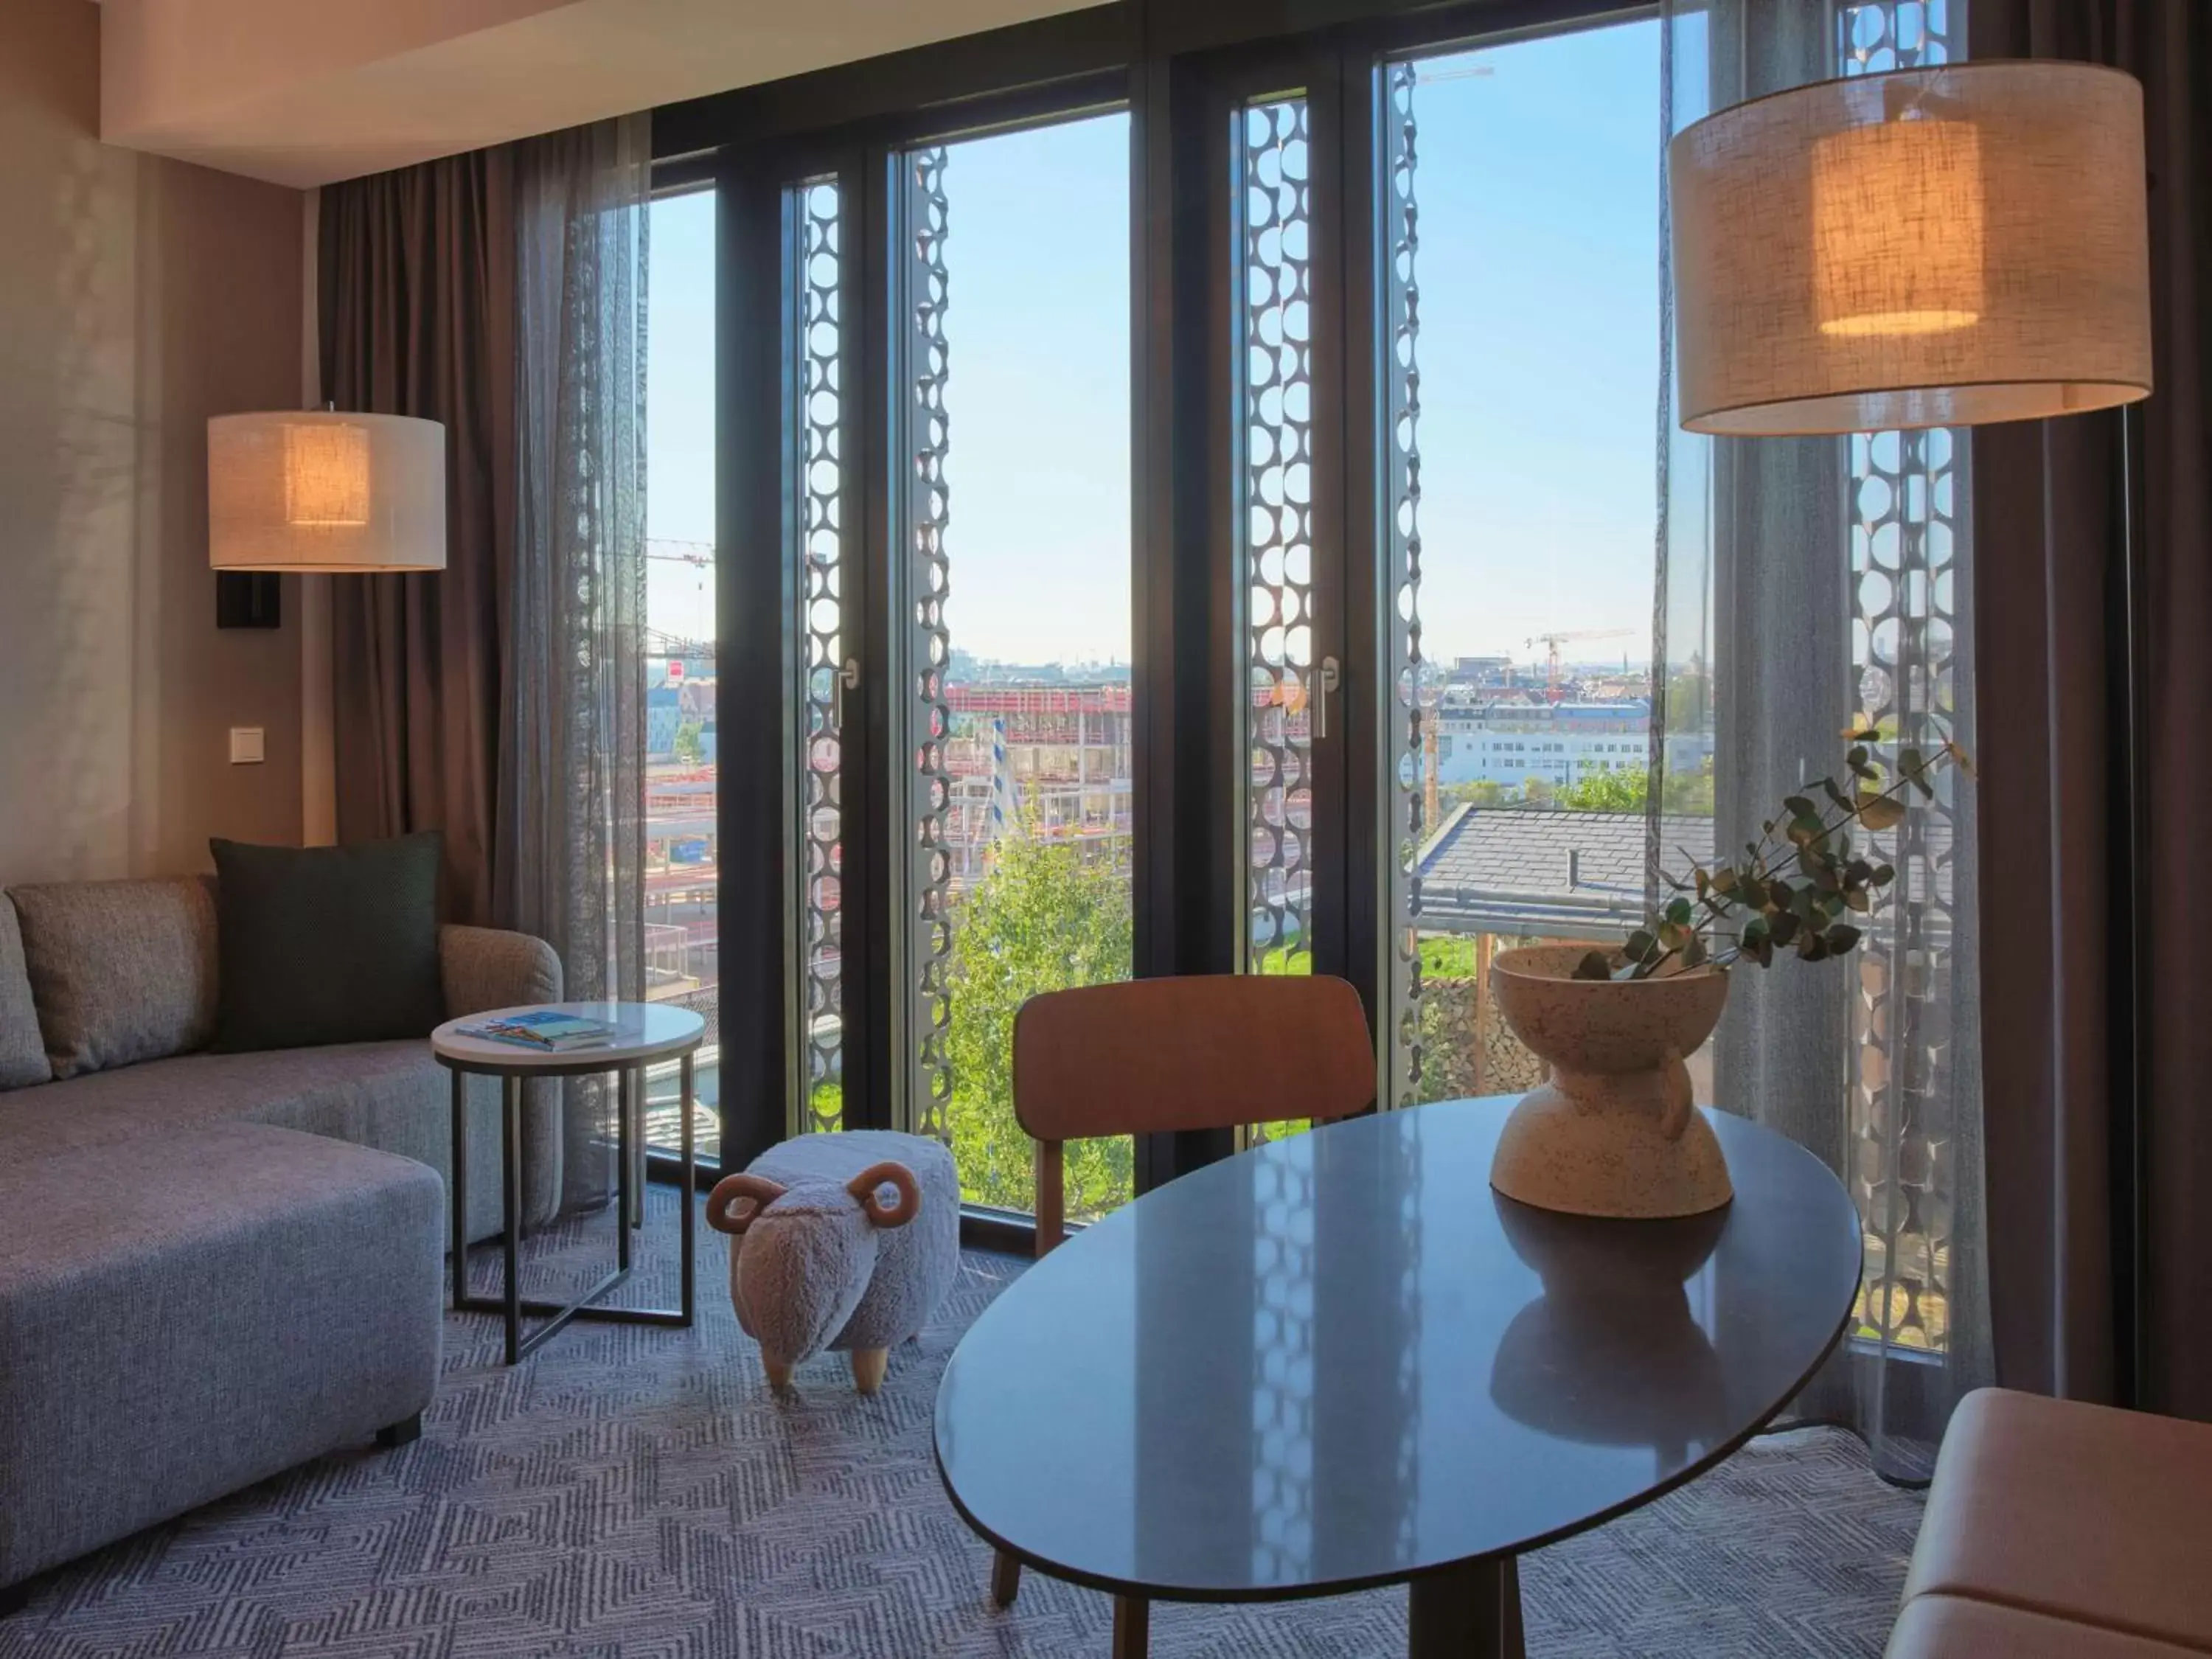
x=1157, y=1056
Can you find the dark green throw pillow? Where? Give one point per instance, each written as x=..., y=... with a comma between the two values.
x=327, y=944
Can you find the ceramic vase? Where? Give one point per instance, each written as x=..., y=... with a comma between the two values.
x=1615, y=1131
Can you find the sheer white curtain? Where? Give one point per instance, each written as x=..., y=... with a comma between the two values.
x=572, y=767
x=1803, y=582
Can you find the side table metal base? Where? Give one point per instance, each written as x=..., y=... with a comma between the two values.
x=511, y=1304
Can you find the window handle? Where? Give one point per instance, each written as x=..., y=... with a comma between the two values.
x=1324, y=683
x=848, y=679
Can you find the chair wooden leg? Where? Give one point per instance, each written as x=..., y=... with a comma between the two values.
x=1132, y=1624
x=1005, y=1579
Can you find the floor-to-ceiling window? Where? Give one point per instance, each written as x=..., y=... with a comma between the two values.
x=681, y=833
x=926, y=506
x=1012, y=641
x=1340, y=626
x=1520, y=271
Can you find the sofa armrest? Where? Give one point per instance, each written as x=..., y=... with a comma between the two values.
x=488, y=968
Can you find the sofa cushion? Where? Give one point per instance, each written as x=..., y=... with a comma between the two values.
x=2079, y=1512
x=192, y=1312
x=1955, y=1627
x=22, y=1051
x=393, y=1096
x=121, y=971
x=284, y=986
x=371, y=1093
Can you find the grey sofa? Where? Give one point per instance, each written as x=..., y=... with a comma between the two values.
x=107, y=998
x=213, y=1266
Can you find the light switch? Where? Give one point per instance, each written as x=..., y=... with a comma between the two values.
x=246, y=746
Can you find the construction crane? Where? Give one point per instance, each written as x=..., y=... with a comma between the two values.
x=1553, y=641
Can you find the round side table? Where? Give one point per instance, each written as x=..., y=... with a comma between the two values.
x=644, y=1032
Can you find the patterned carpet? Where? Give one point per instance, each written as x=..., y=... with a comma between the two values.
x=639, y=1492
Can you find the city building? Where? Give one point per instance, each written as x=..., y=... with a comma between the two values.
x=1048, y=761
x=1513, y=740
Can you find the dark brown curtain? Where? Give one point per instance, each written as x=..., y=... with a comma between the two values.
x=2094, y=595
x=418, y=302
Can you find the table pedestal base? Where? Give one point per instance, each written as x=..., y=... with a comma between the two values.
x=1132, y=1627
x=1469, y=1612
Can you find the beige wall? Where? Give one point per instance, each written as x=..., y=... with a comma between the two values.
x=137, y=297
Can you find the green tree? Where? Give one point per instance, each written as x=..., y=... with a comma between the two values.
x=687, y=742
x=1483, y=792
x=1620, y=791
x=1449, y=956
x=1690, y=793
x=1042, y=918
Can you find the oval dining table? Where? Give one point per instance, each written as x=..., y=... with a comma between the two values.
x=1340, y=1361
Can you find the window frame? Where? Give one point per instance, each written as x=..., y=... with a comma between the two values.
x=1179, y=73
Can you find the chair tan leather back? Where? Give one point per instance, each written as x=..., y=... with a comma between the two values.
x=1201, y=1052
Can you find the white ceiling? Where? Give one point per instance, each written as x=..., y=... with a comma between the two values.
x=305, y=92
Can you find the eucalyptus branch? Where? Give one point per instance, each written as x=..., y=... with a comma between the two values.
x=1798, y=897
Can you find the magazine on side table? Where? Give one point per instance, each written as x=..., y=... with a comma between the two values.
x=547, y=1031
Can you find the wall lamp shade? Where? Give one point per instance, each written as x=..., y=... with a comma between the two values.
x=1932, y=247
x=320, y=492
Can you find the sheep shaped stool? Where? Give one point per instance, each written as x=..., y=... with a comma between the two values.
x=819, y=1260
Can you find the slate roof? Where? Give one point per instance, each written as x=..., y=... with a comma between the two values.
x=1507, y=870
x=1518, y=870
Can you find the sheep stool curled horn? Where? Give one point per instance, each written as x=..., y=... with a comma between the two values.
x=845, y=1242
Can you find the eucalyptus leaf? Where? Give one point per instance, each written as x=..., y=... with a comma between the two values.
x=1879, y=813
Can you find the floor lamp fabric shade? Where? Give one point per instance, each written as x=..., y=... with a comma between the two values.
x=314, y=491
x=1931, y=247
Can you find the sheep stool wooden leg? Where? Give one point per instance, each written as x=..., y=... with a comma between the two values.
x=779, y=1373
x=868, y=1368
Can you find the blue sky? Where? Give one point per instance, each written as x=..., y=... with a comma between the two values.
x=679, y=408
x=1538, y=188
